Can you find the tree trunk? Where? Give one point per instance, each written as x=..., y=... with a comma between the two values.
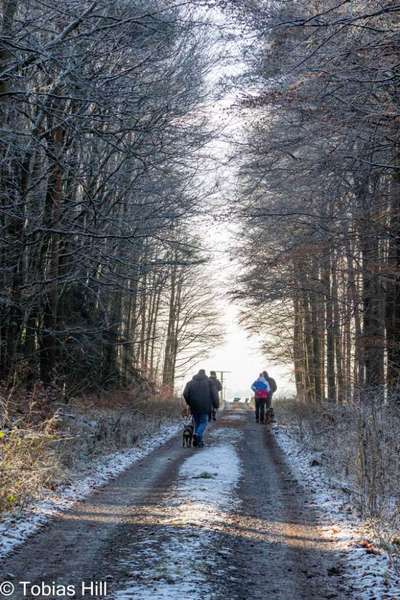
x=373, y=299
x=330, y=337
x=298, y=351
x=337, y=336
x=392, y=316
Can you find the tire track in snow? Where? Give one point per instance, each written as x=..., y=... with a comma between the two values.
x=178, y=565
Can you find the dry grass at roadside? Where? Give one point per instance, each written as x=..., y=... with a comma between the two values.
x=359, y=447
x=44, y=443
x=27, y=458
x=27, y=466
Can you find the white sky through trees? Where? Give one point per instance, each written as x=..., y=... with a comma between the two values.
x=239, y=353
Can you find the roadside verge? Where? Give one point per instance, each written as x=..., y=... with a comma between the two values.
x=366, y=565
x=16, y=528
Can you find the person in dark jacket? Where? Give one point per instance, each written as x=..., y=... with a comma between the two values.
x=212, y=415
x=201, y=396
x=274, y=387
x=272, y=384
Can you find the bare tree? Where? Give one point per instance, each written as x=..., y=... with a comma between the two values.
x=101, y=138
x=318, y=187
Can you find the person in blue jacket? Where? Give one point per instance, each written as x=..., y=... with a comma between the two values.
x=262, y=393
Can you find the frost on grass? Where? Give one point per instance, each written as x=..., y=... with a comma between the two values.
x=15, y=530
x=179, y=557
x=366, y=568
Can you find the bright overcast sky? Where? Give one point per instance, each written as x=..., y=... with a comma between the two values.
x=239, y=353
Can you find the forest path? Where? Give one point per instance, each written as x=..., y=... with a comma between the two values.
x=228, y=520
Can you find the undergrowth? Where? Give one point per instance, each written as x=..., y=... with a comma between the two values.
x=44, y=442
x=358, y=446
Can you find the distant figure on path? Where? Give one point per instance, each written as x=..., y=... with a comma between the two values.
x=212, y=415
x=272, y=384
x=201, y=396
x=262, y=393
x=269, y=415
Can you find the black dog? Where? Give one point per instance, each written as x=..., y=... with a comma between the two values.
x=269, y=416
x=187, y=437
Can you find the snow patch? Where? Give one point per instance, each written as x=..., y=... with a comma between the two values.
x=209, y=477
x=14, y=530
x=364, y=571
x=177, y=566
x=234, y=417
x=224, y=434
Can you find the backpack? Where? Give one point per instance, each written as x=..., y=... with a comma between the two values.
x=261, y=389
x=261, y=394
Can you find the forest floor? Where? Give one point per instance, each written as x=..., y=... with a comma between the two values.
x=238, y=519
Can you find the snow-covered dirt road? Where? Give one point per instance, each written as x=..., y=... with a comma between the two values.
x=226, y=521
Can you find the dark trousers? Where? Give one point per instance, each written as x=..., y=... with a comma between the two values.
x=261, y=404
